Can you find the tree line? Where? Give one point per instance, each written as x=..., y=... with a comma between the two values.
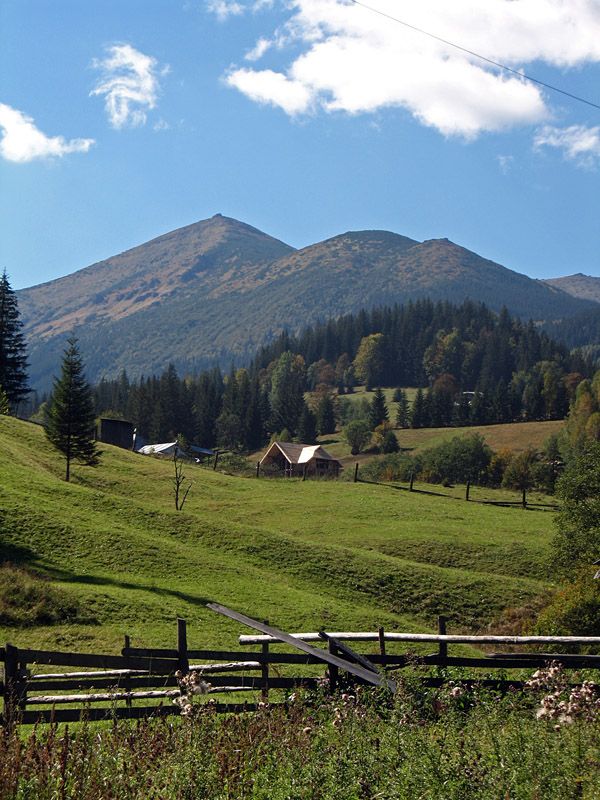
x=472, y=367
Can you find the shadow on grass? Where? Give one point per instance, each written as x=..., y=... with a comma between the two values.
x=15, y=554
x=97, y=580
x=499, y=503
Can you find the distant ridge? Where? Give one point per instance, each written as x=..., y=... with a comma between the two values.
x=585, y=287
x=219, y=288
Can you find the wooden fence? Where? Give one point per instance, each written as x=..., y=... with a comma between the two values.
x=142, y=681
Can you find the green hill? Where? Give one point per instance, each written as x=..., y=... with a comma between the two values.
x=341, y=555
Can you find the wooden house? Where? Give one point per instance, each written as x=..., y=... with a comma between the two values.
x=291, y=459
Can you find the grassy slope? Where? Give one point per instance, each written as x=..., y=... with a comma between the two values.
x=341, y=555
x=513, y=436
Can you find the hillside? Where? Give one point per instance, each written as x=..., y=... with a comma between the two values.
x=220, y=288
x=585, y=287
x=321, y=553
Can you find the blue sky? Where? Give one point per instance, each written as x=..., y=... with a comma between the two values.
x=122, y=120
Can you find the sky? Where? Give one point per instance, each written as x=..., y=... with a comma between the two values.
x=121, y=120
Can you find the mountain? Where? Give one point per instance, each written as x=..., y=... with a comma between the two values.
x=219, y=288
x=579, y=285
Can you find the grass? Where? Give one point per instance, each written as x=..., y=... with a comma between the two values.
x=318, y=553
x=446, y=743
x=512, y=436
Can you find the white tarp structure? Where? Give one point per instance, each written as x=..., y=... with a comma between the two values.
x=166, y=449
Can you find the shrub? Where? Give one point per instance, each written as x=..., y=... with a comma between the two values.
x=458, y=460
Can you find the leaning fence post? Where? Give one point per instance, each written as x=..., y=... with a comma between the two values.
x=216, y=460
x=264, y=669
x=443, y=646
x=182, y=645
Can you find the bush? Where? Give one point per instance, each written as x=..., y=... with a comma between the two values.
x=574, y=610
x=390, y=443
x=394, y=467
x=458, y=460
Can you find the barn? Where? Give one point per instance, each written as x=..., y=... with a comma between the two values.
x=291, y=459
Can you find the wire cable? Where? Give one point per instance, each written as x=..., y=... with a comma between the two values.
x=476, y=55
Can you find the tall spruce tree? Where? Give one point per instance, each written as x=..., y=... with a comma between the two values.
x=70, y=417
x=13, y=353
x=378, y=412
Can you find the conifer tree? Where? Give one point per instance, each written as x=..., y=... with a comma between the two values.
x=325, y=416
x=402, y=413
x=419, y=415
x=70, y=417
x=13, y=354
x=378, y=412
x=307, y=427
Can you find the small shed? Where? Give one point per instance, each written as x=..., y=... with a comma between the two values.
x=291, y=459
x=119, y=432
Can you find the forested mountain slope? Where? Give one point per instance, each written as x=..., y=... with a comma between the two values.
x=220, y=288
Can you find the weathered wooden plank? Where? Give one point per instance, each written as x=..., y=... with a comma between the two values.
x=150, y=652
x=100, y=697
x=62, y=659
x=105, y=673
x=353, y=669
x=143, y=681
x=248, y=682
x=368, y=636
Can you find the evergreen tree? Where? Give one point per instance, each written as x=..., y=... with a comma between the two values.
x=307, y=427
x=325, y=416
x=390, y=443
x=13, y=354
x=402, y=412
x=378, y=411
x=70, y=417
x=419, y=415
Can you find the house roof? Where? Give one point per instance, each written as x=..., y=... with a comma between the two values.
x=300, y=453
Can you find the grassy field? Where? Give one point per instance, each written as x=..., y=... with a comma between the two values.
x=512, y=436
x=303, y=555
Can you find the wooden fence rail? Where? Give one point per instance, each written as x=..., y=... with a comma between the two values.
x=143, y=675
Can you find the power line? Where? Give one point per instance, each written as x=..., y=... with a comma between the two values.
x=477, y=55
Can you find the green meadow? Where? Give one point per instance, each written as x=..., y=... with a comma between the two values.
x=111, y=547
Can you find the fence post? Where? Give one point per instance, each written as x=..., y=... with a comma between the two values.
x=304, y=472
x=443, y=647
x=381, y=634
x=332, y=669
x=524, y=498
x=468, y=490
x=412, y=480
x=182, y=645
x=356, y=472
x=15, y=687
x=258, y=469
x=127, y=682
x=264, y=669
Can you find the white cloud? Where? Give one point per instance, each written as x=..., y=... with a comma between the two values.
x=259, y=49
x=129, y=85
x=356, y=61
x=22, y=141
x=223, y=9
x=578, y=143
